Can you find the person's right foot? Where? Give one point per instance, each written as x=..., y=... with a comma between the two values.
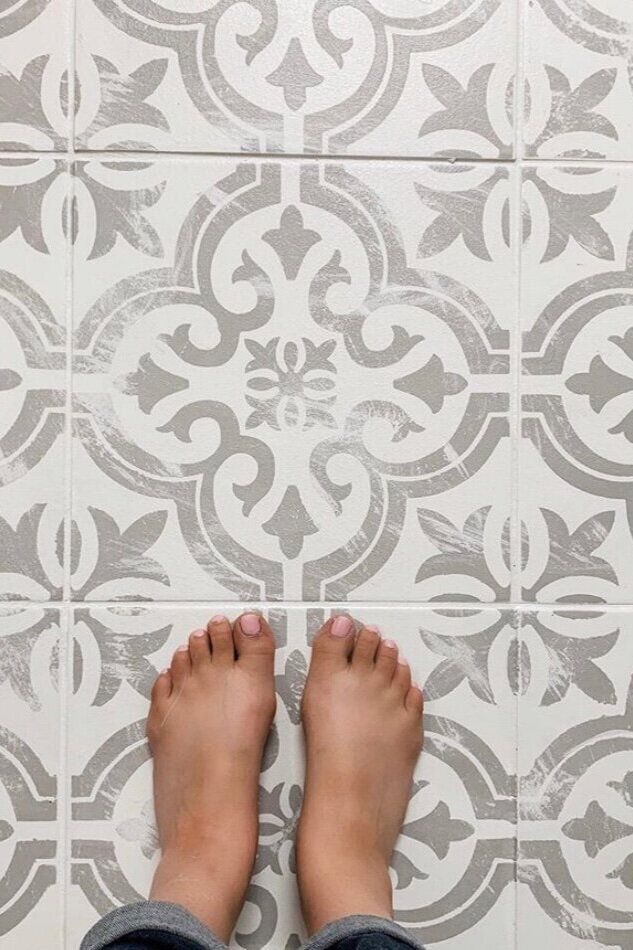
x=207, y=725
x=363, y=726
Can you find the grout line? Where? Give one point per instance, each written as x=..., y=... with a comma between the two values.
x=515, y=400
x=122, y=155
x=65, y=652
x=522, y=13
x=348, y=605
x=155, y=154
x=63, y=797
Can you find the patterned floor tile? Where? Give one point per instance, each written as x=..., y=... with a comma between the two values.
x=32, y=376
x=576, y=790
x=29, y=762
x=578, y=90
x=453, y=868
x=35, y=47
x=293, y=373
x=576, y=461
x=355, y=78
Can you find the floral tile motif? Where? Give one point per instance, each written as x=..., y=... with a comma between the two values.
x=576, y=788
x=576, y=463
x=453, y=868
x=32, y=377
x=286, y=458
x=35, y=48
x=578, y=93
x=347, y=78
x=30, y=660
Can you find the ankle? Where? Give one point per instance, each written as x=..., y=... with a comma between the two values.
x=194, y=883
x=337, y=881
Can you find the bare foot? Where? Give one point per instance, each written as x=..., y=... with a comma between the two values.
x=208, y=722
x=363, y=726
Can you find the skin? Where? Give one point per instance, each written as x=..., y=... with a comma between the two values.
x=210, y=714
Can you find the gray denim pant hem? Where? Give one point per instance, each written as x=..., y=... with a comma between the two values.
x=171, y=918
x=149, y=915
x=337, y=930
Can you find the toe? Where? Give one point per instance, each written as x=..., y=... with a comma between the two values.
x=180, y=667
x=199, y=648
x=402, y=677
x=366, y=646
x=222, y=647
x=333, y=643
x=414, y=700
x=161, y=690
x=254, y=640
x=387, y=659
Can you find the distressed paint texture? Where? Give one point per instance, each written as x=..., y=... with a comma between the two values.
x=310, y=305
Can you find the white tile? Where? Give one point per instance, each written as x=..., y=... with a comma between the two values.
x=576, y=464
x=33, y=271
x=578, y=84
x=30, y=876
x=576, y=762
x=35, y=57
x=289, y=389
x=381, y=79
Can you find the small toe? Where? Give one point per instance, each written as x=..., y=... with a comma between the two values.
x=365, y=648
x=414, y=700
x=402, y=677
x=387, y=659
x=180, y=667
x=333, y=643
x=199, y=648
x=254, y=640
x=222, y=646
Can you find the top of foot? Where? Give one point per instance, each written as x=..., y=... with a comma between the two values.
x=363, y=725
x=210, y=715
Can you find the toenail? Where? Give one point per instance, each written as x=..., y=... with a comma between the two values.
x=218, y=619
x=251, y=625
x=182, y=649
x=403, y=661
x=391, y=644
x=164, y=672
x=372, y=628
x=199, y=633
x=341, y=626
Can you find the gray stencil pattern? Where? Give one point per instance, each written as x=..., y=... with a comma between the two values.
x=322, y=307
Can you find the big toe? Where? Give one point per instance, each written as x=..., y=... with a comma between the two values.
x=333, y=643
x=254, y=641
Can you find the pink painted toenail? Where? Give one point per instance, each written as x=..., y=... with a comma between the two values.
x=341, y=626
x=199, y=633
x=403, y=661
x=391, y=644
x=251, y=625
x=372, y=628
x=218, y=619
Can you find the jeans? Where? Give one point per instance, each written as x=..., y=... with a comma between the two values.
x=154, y=925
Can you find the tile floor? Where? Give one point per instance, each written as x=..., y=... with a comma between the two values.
x=322, y=306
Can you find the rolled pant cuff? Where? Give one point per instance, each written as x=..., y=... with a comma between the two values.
x=356, y=925
x=150, y=915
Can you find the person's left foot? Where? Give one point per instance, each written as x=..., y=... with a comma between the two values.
x=208, y=722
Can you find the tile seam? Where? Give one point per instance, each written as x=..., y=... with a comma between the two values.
x=438, y=606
